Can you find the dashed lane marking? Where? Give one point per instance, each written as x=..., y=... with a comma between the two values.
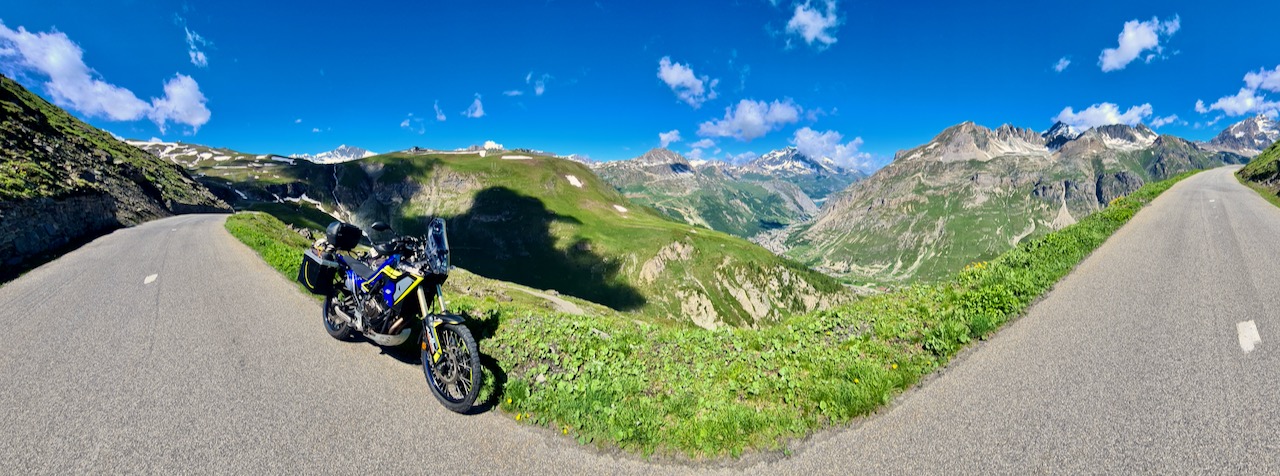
x=1249, y=337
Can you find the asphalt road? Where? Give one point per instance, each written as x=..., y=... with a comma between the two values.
x=1134, y=363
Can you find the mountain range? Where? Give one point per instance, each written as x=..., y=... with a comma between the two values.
x=972, y=192
x=771, y=192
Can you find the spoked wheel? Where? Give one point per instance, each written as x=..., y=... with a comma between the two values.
x=454, y=373
x=336, y=302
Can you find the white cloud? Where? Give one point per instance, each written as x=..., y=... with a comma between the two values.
x=476, y=110
x=298, y=121
x=194, y=43
x=1102, y=115
x=528, y=78
x=828, y=144
x=703, y=144
x=1247, y=101
x=666, y=138
x=73, y=85
x=513, y=93
x=1062, y=64
x=315, y=129
x=688, y=87
x=183, y=103
x=413, y=124
x=1159, y=122
x=540, y=86
x=1136, y=38
x=1264, y=79
x=813, y=25
x=439, y=112
x=751, y=119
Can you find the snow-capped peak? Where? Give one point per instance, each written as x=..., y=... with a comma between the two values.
x=344, y=153
x=789, y=161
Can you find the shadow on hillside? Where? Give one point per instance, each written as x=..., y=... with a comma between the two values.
x=507, y=236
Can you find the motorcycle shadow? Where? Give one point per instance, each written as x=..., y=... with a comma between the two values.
x=495, y=379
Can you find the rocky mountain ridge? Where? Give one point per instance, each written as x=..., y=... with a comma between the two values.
x=1248, y=137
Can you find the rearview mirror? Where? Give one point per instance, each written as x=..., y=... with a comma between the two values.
x=380, y=226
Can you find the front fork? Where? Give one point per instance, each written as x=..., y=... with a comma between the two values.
x=430, y=340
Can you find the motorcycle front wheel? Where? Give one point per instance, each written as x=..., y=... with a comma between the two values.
x=453, y=373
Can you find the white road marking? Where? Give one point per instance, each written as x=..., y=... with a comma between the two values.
x=1249, y=337
x=574, y=181
x=150, y=279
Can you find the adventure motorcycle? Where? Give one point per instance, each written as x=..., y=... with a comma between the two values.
x=387, y=293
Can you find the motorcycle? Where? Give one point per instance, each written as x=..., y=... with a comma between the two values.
x=390, y=291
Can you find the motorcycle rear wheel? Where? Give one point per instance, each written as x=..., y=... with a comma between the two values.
x=455, y=377
x=335, y=325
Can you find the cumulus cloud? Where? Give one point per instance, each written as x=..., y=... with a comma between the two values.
x=513, y=93
x=751, y=119
x=297, y=121
x=1136, y=39
x=667, y=138
x=183, y=103
x=1264, y=79
x=1250, y=99
x=1062, y=64
x=476, y=110
x=439, y=112
x=830, y=145
x=687, y=86
x=315, y=129
x=72, y=84
x=1159, y=122
x=1247, y=101
x=815, y=26
x=1102, y=115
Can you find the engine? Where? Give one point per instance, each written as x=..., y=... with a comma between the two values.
x=375, y=312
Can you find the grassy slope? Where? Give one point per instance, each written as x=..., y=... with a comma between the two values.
x=1263, y=174
x=553, y=235
x=615, y=381
x=26, y=171
x=738, y=207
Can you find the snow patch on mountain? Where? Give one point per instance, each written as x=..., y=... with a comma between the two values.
x=344, y=153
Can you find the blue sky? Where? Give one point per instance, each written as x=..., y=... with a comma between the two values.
x=856, y=80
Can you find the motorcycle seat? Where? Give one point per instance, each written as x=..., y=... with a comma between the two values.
x=361, y=270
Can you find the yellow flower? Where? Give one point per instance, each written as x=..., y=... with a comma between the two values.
x=895, y=366
x=508, y=401
x=517, y=417
x=566, y=430
x=855, y=380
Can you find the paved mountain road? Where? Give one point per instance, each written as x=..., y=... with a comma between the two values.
x=1133, y=363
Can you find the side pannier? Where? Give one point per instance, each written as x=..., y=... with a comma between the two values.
x=317, y=272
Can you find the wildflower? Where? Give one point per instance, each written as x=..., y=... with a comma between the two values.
x=895, y=366
x=855, y=380
x=517, y=417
